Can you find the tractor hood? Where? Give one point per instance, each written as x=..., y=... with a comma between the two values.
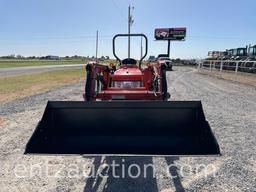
x=127, y=73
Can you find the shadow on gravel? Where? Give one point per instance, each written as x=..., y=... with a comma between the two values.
x=174, y=173
x=124, y=177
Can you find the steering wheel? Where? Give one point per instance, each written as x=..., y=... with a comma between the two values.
x=129, y=61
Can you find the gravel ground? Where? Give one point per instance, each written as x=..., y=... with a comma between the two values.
x=229, y=107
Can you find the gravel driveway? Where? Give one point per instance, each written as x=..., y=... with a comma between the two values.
x=229, y=107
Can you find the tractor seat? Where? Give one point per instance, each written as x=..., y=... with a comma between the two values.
x=129, y=61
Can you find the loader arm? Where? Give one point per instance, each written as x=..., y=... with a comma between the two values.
x=97, y=79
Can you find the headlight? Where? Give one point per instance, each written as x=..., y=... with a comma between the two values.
x=127, y=84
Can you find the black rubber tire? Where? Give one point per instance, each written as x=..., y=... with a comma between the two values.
x=88, y=83
x=164, y=81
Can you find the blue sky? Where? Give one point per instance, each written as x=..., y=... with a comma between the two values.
x=68, y=27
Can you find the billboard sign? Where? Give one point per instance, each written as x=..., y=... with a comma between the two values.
x=174, y=34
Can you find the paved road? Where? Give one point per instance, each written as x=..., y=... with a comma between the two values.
x=4, y=72
x=229, y=107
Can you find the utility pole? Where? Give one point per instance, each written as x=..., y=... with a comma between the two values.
x=130, y=21
x=168, y=48
x=96, y=45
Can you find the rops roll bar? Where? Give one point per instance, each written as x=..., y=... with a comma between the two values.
x=130, y=35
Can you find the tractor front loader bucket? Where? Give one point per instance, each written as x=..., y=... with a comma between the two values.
x=123, y=128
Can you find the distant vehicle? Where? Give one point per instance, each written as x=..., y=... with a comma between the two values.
x=252, y=52
x=52, y=57
x=189, y=62
x=244, y=56
x=214, y=55
x=152, y=58
x=168, y=62
x=250, y=67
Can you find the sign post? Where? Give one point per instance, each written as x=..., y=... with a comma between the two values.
x=170, y=34
x=168, y=48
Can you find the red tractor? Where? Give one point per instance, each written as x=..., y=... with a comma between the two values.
x=126, y=112
x=129, y=82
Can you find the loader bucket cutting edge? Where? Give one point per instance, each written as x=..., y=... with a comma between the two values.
x=139, y=128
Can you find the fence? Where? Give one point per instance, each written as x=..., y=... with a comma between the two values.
x=230, y=69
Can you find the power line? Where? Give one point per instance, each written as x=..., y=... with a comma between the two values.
x=57, y=38
x=219, y=37
x=214, y=37
x=120, y=12
x=128, y=2
x=108, y=36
